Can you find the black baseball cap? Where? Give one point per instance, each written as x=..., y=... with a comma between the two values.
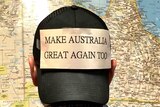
x=61, y=85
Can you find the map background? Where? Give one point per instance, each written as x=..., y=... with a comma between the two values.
x=137, y=77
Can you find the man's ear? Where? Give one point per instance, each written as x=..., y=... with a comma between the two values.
x=111, y=72
x=33, y=70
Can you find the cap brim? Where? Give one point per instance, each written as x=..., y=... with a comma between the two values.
x=73, y=85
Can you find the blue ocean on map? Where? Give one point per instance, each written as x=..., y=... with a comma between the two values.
x=150, y=13
x=99, y=7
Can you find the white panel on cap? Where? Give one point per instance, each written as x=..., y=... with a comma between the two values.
x=75, y=48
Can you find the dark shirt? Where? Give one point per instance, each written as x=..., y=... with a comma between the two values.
x=76, y=104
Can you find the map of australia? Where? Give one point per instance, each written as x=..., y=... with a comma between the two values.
x=134, y=27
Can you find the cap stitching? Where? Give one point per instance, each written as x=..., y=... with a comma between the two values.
x=75, y=18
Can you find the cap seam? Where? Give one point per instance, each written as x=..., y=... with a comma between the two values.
x=75, y=19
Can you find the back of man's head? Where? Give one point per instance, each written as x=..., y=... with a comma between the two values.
x=72, y=57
